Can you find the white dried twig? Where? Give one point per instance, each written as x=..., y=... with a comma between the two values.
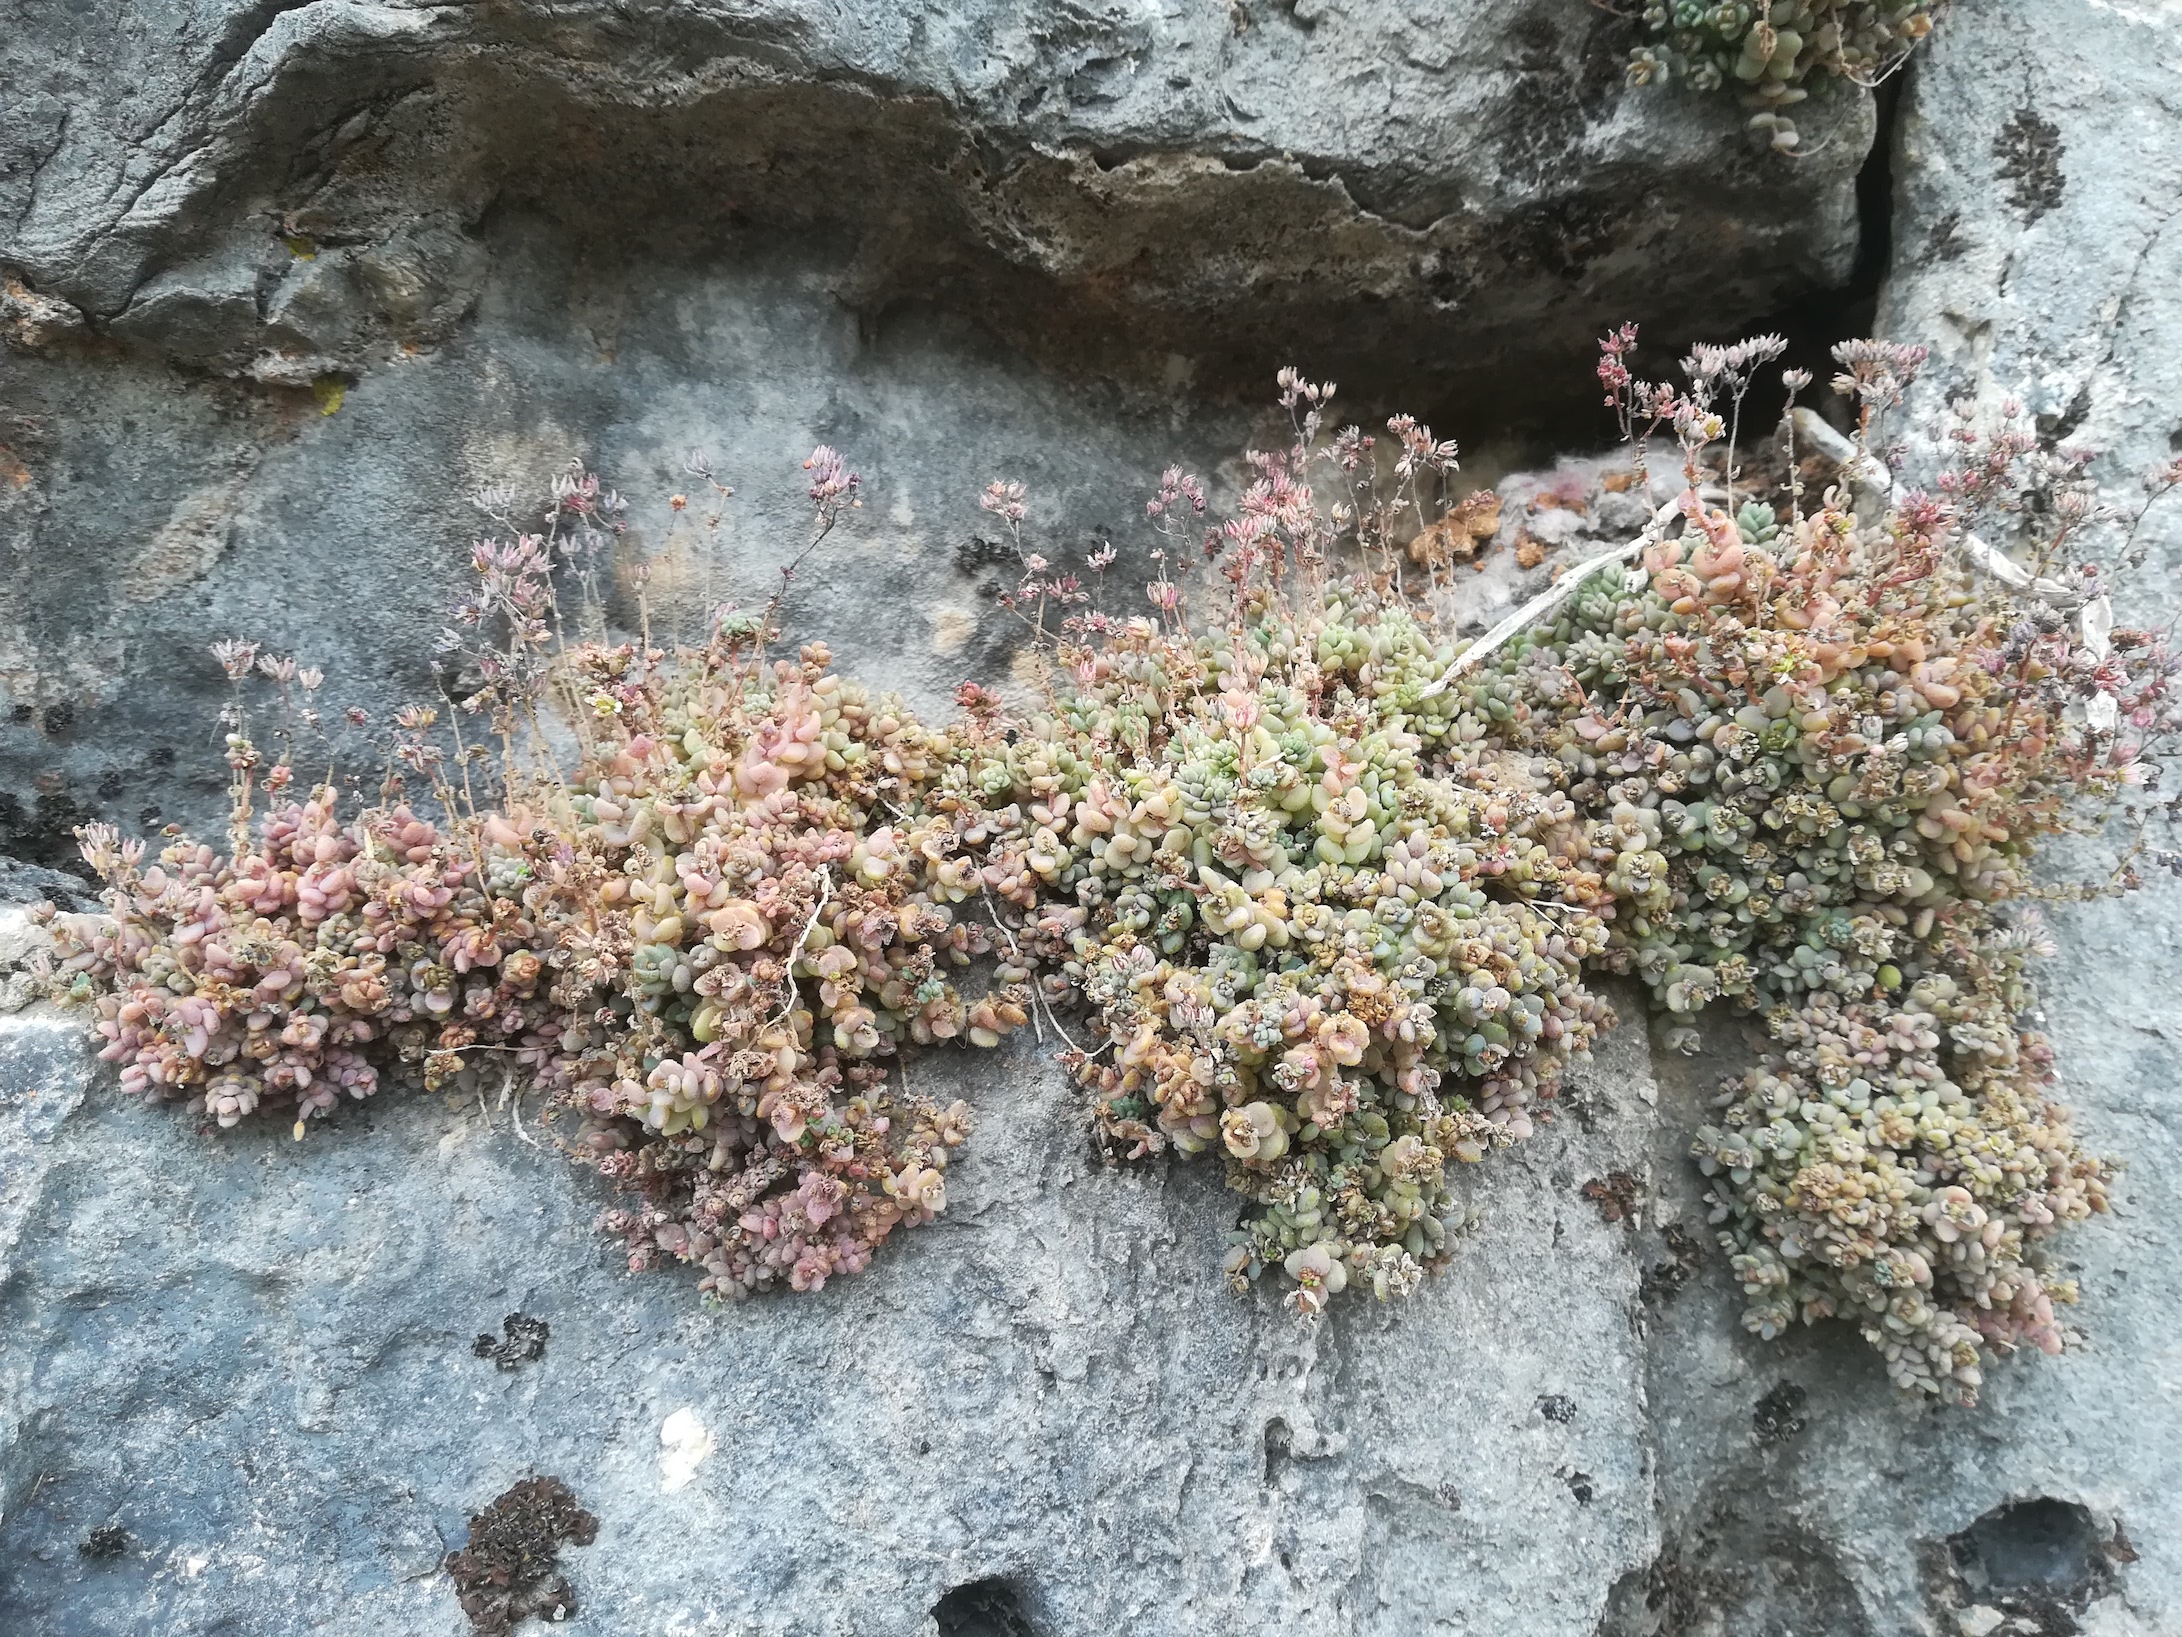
x=508, y=1088
x=1038, y=999
x=1561, y=590
x=825, y=892
x=2015, y=576
x=1869, y=472
x=1837, y=446
x=1037, y=994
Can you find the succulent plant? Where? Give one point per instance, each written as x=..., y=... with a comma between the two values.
x=765, y=939
x=1299, y=946
x=1322, y=884
x=706, y=941
x=1815, y=754
x=1768, y=52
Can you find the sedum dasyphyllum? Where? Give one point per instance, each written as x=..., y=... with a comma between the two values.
x=1286, y=928
x=705, y=941
x=1304, y=948
x=1770, y=52
x=1815, y=752
x=1326, y=882
x=771, y=936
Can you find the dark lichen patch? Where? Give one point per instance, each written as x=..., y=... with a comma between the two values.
x=1564, y=236
x=1557, y=1407
x=522, y=1341
x=982, y=1608
x=511, y=1568
x=1664, y=1280
x=979, y=552
x=1580, y=1484
x=2028, y=150
x=1947, y=242
x=1618, y=1197
x=1779, y=1414
x=105, y=1543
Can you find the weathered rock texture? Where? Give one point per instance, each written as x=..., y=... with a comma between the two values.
x=1050, y=1388
x=2038, y=172
x=959, y=242
x=1065, y=243
x=1223, y=174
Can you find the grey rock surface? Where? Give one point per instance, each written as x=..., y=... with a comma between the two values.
x=1055, y=242
x=255, y=1357
x=1066, y=243
x=2038, y=179
x=159, y=514
x=1466, y=167
x=1797, y=1495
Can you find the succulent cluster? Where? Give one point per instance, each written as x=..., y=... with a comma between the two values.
x=1900, y=1165
x=705, y=942
x=1293, y=936
x=1322, y=884
x=259, y=980
x=769, y=940
x=1769, y=49
x=1814, y=754
x=1806, y=752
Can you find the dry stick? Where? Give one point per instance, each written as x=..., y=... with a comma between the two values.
x=469, y=829
x=1037, y=994
x=1551, y=903
x=1866, y=471
x=1858, y=467
x=1037, y=998
x=1037, y=990
x=2095, y=617
x=825, y=893
x=507, y=1086
x=1559, y=593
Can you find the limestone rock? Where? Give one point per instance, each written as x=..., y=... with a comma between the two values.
x=2038, y=179
x=1217, y=171
x=287, y=281
x=254, y=1357
x=279, y=283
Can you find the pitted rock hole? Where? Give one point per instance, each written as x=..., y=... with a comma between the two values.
x=982, y=1608
x=1279, y=1443
x=1736, y=1577
x=2037, y=1562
